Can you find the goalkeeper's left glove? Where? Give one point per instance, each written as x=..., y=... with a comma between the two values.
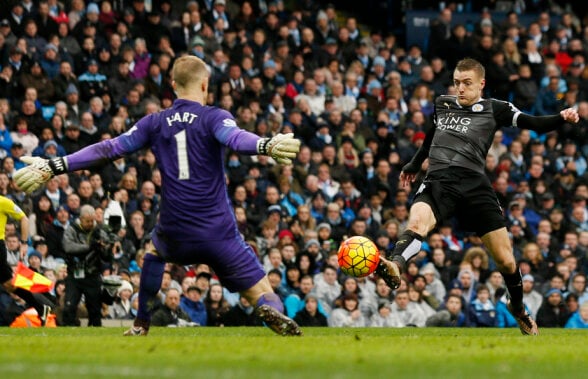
x=281, y=147
x=38, y=172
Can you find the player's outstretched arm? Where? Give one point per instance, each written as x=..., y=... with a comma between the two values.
x=38, y=172
x=545, y=124
x=282, y=147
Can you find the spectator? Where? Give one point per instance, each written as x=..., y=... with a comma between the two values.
x=440, y=32
x=408, y=313
x=421, y=298
x=48, y=146
x=74, y=106
x=121, y=309
x=571, y=160
x=310, y=94
x=71, y=141
x=504, y=319
x=191, y=303
x=466, y=281
x=241, y=314
x=327, y=289
x=23, y=139
x=56, y=230
x=525, y=90
x=501, y=75
x=310, y=314
x=451, y=316
x=85, y=249
x=481, y=310
x=384, y=318
x=553, y=312
x=434, y=285
x=539, y=266
x=50, y=61
x=477, y=259
x=216, y=305
x=494, y=282
x=547, y=101
x=578, y=287
x=92, y=82
x=579, y=319
x=531, y=298
x=348, y=315
x=142, y=59
x=37, y=82
x=5, y=138
x=171, y=314
x=101, y=117
x=67, y=42
x=41, y=220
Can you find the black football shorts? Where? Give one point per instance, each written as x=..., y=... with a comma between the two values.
x=465, y=194
x=5, y=269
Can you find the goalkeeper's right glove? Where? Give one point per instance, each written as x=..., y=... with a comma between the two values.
x=281, y=147
x=38, y=172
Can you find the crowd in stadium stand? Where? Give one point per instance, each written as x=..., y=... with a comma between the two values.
x=77, y=72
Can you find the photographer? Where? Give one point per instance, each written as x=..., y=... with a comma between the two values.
x=123, y=249
x=86, y=246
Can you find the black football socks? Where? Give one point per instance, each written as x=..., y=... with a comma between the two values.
x=514, y=284
x=408, y=245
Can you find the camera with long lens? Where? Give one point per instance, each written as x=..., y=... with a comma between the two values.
x=107, y=234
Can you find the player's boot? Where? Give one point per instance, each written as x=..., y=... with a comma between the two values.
x=139, y=328
x=390, y=271
x=525, y=321
x=278, y=322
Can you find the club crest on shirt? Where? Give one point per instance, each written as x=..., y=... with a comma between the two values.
x=477, y=108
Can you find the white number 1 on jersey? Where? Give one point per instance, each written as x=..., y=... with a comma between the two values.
x=183, y=165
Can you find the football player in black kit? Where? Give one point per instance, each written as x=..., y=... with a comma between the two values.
x=455, y=183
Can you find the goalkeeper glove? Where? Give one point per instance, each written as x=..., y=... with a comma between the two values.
x=38, y=172
x=282, y=147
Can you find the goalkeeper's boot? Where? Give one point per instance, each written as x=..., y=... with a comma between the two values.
x=139, y=328
x=526, y=323
x=278, y=322
x=390, y=271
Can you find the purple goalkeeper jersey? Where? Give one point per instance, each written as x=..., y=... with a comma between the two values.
x=188, y=140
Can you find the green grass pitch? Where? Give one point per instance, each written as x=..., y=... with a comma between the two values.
x=322, y=353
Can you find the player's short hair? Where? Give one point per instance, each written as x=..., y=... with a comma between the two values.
x=189, y=70
x=469, y=64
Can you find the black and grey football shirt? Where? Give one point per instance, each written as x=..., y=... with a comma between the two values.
x=463, y=135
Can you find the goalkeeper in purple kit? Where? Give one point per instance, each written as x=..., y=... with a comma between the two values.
x=196, y=222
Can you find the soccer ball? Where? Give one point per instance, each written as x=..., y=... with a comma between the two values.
x=358, y=256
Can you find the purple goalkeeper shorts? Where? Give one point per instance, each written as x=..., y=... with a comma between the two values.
x=233, y=260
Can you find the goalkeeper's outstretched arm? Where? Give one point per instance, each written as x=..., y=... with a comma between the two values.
x=282, y=148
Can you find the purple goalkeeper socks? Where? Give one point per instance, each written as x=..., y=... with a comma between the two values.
x=272, y=300
x=151, y=276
